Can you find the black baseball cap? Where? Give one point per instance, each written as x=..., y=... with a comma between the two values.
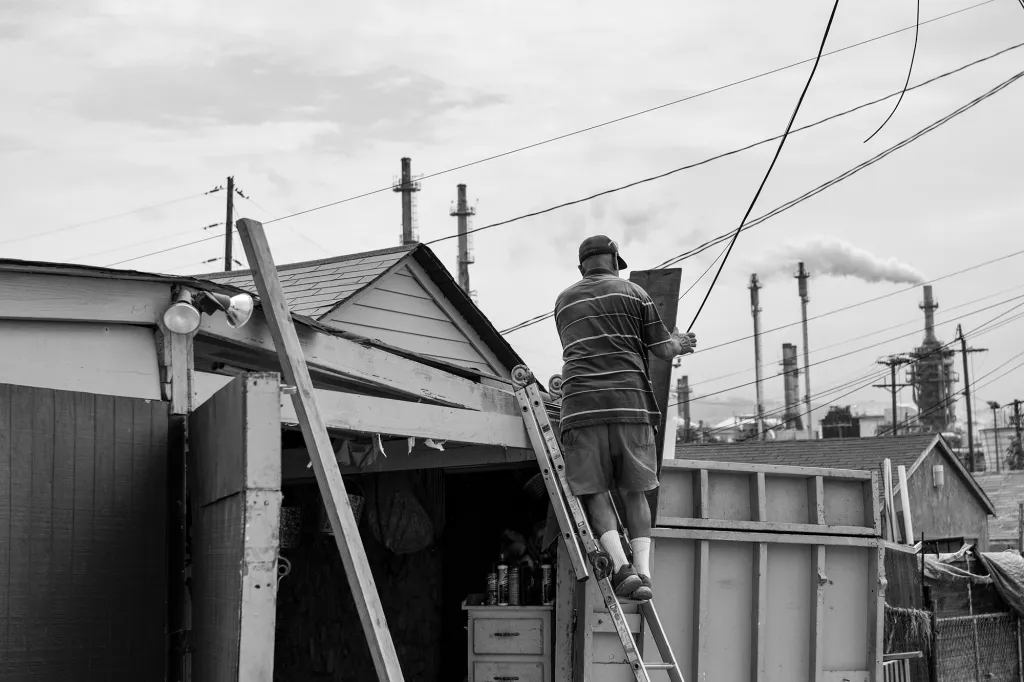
x=599, y=244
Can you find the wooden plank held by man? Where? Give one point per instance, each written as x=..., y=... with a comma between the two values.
x=314, y=431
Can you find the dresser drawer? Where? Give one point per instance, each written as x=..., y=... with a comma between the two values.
x=490, y=671
x=513, y=636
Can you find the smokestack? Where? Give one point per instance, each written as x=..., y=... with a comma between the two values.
x=791, y=381
x=683, y=398
x=802, y=276
x=928, y=306
x=755, y=311
x=463, y=212
x=406, y=185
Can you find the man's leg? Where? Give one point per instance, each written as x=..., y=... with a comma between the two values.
x=635, y=445
x=589, y=470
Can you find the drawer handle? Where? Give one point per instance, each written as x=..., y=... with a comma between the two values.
x=507, y=634
x=503, y=679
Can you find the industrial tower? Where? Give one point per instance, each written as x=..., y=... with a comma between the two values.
x=406, y=184
x=932, y=375
x=463, y=212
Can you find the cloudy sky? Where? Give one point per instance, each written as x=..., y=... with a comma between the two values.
x=111, y=106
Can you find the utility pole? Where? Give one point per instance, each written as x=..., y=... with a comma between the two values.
x=755, y=311
x=964, y=350
x=802, y=276
x=893, y=361
x=405, y=185
x=228, y=223
x=995, y=431
x=463, y=212
x=1016, y=417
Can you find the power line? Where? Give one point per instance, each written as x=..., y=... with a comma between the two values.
x=876, y=331
x=629, y=116
x=545, y=316
x=764, y=181
x=94, y=221
x=791, y=203
x=723, y=155
x=910, y=70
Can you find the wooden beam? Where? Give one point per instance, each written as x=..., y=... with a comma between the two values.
x=363, y=414
x=40, y=296
x=332, y=488
x=759, y=613
x=816, y=500
x=701, y=610
x=177, y=368
x=338, y=357
x=876, y=612
x=296, y=465
x=768, y=469
x=701, y=498
x=565, y=615
x=758, y=497
x=816, y=647
x=762, y=526
x=740, y=536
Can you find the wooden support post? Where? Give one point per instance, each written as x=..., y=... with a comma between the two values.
x=328, y=475
x=758, y=635
x=701, y=494
x=177, y=368
x=818, y=582
x=1020, y=531
x=701, y=606
x=816, y=500
x=565, y=613
x=876, y=612
x=908, y=522
x=758, y=498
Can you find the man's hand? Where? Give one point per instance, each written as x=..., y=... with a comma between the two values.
x=686, y=342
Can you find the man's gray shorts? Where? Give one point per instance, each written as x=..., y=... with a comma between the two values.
x=610, y=456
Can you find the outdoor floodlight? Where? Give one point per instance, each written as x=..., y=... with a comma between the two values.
x=184, y=315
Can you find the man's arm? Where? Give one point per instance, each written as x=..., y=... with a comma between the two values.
x=677, y=344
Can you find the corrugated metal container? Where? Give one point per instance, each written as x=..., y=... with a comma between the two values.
x=761, y=574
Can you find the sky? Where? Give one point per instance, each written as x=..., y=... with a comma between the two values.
x=113, y=106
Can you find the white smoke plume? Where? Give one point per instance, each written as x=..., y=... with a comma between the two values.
x=830, y=256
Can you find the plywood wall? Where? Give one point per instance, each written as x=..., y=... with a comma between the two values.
x=82, y=536
x=950, y=511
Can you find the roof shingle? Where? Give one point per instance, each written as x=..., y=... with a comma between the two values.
x=313, y=288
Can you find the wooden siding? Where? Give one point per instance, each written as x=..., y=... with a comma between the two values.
x=82, y=536
x=947, y=512
x=399, y=311
x=102, y=359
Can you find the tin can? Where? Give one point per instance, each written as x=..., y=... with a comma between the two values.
x=547, y=584
x=514, y=586
x=502, y=577
x=492, y=589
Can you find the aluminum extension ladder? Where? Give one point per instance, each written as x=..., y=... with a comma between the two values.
x=579, y=540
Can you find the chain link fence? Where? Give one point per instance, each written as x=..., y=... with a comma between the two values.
x=976, y=648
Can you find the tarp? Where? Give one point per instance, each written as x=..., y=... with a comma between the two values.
x=939, y=567
x=1007, y=572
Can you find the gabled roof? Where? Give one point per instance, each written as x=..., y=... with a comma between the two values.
x=314, y=288
x=863, y=454
x=1006, y=491
x=317, y=288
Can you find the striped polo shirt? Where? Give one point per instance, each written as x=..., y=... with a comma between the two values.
x=606, y=325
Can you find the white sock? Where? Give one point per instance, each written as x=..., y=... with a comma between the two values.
x=611, y=543
x=641, y=555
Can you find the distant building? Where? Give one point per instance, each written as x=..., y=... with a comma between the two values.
x=945, y=500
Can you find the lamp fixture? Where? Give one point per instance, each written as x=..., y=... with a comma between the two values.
x=185, y=314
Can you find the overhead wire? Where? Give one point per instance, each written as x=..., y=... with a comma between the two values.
x=771, y=166
x=630, y=116
x=799, y=199
x=910, y=70
x=545, y=316
x=876, y=331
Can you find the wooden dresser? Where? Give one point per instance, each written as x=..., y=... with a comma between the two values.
x=509, y=643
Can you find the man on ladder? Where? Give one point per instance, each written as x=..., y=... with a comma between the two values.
x=609, y=414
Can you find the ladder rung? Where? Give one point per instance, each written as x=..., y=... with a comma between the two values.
x=659, y=666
